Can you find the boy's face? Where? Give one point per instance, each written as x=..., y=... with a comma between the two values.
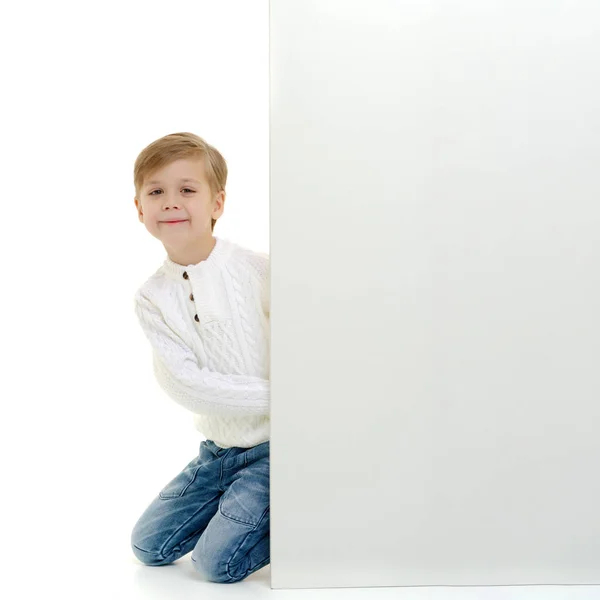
x=172, y=198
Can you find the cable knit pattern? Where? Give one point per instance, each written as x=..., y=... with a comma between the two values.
x=218, y=364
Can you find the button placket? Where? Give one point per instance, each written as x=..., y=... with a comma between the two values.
x=186, y=276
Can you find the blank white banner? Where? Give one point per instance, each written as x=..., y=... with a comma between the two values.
x=435, y=260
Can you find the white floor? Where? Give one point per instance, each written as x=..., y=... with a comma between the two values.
x=87, y=576
x=182, y=583
x=127, y=579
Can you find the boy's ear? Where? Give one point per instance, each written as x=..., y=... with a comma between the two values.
x=219, y=205
x=139, y=210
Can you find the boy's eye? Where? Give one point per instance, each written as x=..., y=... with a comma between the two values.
x=184, y=189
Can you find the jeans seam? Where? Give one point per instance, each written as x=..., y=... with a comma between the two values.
x=253, y=530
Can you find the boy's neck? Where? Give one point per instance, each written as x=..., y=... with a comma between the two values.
x=192, y=256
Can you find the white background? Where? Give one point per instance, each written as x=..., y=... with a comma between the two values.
x=88, y=438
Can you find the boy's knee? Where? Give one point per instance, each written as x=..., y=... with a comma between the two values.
x=150, y=558
x=215, y=570
x=148, y=555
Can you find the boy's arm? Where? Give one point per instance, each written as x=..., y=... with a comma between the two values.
x=184, y=380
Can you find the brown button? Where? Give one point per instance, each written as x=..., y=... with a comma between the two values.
x=197, y=319
x=185, y=275
x=192, y=297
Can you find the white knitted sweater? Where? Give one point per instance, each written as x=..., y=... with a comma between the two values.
x=209, y=328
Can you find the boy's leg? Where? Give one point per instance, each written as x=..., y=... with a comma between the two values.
x=172, y=524
x=236, y=542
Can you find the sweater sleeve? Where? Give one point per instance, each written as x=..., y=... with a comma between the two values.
x=179, y=374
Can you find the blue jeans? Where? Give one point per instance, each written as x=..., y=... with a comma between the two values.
x=218, y=508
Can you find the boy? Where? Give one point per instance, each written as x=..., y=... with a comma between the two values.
x=205, y=312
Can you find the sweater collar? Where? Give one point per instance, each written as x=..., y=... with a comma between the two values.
x=217, y=258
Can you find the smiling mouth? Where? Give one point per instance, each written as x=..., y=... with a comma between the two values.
x=172, y=222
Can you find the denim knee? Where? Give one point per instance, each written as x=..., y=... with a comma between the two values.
x=213, y=570
x=150, y=556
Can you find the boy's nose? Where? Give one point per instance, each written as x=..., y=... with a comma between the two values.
x=171, y=202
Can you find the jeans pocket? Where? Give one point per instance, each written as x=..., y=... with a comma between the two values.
x=179, y=484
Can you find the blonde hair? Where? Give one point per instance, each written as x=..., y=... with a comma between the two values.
x=174, y=146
